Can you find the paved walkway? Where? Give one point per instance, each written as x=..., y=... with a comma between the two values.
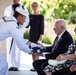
x=22, y=72
x=26, y=65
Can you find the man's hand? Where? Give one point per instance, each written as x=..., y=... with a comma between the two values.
x=73, y=68
x=59, y=57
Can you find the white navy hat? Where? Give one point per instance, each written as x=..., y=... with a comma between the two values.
x=21, y=11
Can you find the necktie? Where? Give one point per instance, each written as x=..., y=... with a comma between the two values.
x=55, y=44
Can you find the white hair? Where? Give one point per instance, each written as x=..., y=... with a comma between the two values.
x=61, y=22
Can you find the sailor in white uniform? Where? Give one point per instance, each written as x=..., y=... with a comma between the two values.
x=13, y=52
x=10, y=26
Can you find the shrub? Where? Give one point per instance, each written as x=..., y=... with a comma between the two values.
x=46, y=39
x=26, y=35
x=74, y=38
x=72, y=17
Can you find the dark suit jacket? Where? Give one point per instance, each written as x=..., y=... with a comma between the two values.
x=61, y=47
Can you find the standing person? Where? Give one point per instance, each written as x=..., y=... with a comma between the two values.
x=59, y=46
x=10, y=26
x=36, y=27
x=13, y=52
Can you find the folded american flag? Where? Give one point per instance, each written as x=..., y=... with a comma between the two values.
x=38, y=50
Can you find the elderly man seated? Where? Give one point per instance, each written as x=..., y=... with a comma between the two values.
x=63, y=68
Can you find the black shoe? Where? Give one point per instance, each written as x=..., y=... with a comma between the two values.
x=15, y=69
x=32, y=69
x=11, y=68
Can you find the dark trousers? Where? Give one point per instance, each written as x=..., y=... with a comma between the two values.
x=39, y=65
x=61, y=72
x=71, y=73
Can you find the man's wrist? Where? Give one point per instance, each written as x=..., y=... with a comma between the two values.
x=31, y=51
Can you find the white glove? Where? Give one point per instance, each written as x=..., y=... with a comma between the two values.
x=34, y=45
x=39, y=42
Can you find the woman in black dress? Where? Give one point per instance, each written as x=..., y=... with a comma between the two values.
x=36, y=27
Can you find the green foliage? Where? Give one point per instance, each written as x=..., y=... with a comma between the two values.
x=74, y=38
x=63, y=8
x=46, y=40
x=26, y=35
x=72, y=17
x=54, y=9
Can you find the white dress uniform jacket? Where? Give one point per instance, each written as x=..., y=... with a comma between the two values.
x=9, y=27
x=13, y=56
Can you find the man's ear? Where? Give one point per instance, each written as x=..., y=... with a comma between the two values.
x=62, y=27
x=74, y=29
